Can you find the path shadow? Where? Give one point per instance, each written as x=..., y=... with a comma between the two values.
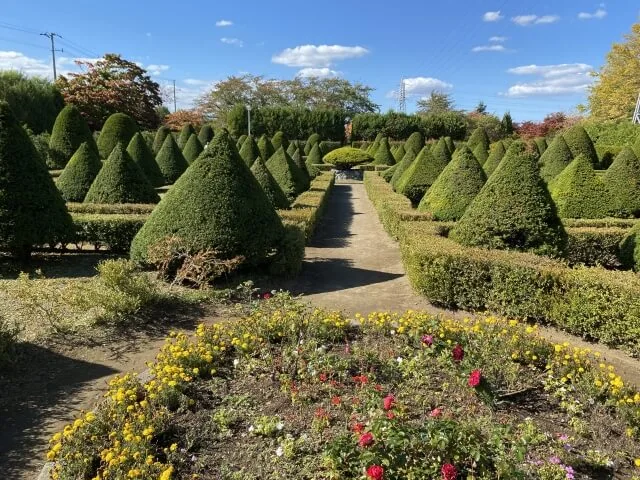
x=55, y=265
x=322, y=275
x=333, y=229
x=39, y=389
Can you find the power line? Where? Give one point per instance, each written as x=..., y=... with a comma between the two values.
x=17, y=28
x=23, y=43
x=51, y=36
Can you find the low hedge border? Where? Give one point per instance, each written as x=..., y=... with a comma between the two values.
x=107, y=232
x=595, y=246
x=599, y=222
x=591, y=302
x=111, y=209
x=307, y=209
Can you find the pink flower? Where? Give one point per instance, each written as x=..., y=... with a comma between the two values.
x=391, y=415
x=267, y=296
x=475, y=378
x=366, y=439
x=358, y=427
x=427, y=340
x=457, y=353
x=375, y=472
x=436, y=412
x=361, y=379
x=336, y=400
x=323, y=377
x=449, y=472
x=388, y=402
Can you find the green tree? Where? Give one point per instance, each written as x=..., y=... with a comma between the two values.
x=497, y=152
x=76, y=178
x=265, y=148
x=291, y=179
x=555, y=159
x=436, y=102
x=507, y=123
x=481, y=108
x=279, y=140
x=580, y=143
x=622, y=179
x=139, y=152
x=192, y=149
x=185, y=134
x=383, y=154
x=119, y=128
x=70, y=131
x=249, y=151
x=402, y=166
x=271, y=188
x=171, y=161
x=206, y=133
x=161, y=134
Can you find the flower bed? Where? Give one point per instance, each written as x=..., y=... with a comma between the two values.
x=293, y=392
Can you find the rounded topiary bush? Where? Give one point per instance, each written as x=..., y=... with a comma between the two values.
x=76, y=178
x=311, y=141
x=420, y=175
x=170, y=160
x=217, y=204
x=402, y=166
x=121, y=181
x=192, y=149
x=291, y=179
x=271, y=188
x=119, y=128
x=398, y=153
x=32, y=211
x=513, y=210
x=344, y=158
x=158, y=140
x=185, y=134
x=279, y=140
x=249, y=151
x=139, y=152
x=580, y=143
x=240, y=141
x=383, y=154
x=578, y=193
x=622, y=179
x=206, y=134
x=265, y=148
x=497, y=152
x=415, y=142
x=314, y=158
x=555, y=159
x=479, y=137
x=70, y=130
x=455, y=188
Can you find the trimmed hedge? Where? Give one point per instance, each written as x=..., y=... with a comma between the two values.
x=481, y=154
x=401, y=167
x=346, y=157
x=170, y=160
x=311, y=141
x=479, y=137
x=398, y=152
x=279, y=140
x=555, y=159
x=111, y=208
x=158, y=141
x=541, y=144
x=327, y=146
x=265, y=148
x=383, y=154
x=314, y=158
x=595, y=246
x=185, y=134
x=139, y=152
x=112, y=232
x=496, y=154
x=269, y=185
x=622, y=179
x=70, y=130
x=580, y=143
x=206, y=134
x=415, y=142
x=250, y=151
x=396, y=125
x=192, y=149
x=76, y=178
x=119, y=127
x=289, y=176
x=389, y=172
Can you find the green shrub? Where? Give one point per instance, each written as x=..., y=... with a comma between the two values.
x=79, y=174
x=373, y=148
x=192, y=149
x=636, y=146
x=420, y=175
x=441, y=152
x=555, y=159
x=271, y=188
x=217, y=204
x=580, y=143
x=314, y=158
x=346, y=157
x=364, y=146
x=32, y=211
x=121, y=181
x=311, y=141
x=111, y=208
x=291, y=179
x=611, y=132
x=479, y=137
x=455, y=188
x=513, y=210
x=148, y=137
x=415, y=142
x=265, y=148
x=114, y=232
x=249, y=151
x=578, y=193
x=206, y=134
x=185, y=134
x=69, y=132
x=293, y=146
x=279, y=140
x=401, y=167
x=119, y=128
x=140, y=153
x=327, y=146
x=288, y=259
x=383, y=154
x=607, y=154
x=630, y=249
x=481, y=154
x=297, y=159
x=541, y=144
x=170, y=160
x=450, y=145
x=388, y=173
x=622, y=179
x=41, y=144
x=497, y=152
x=159, y=139
x=595, y=246
x=398, y=153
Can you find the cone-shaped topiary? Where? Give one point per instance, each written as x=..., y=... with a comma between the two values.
x=555, y=158
x=217, y=204
x=630, y=249
x=249, y=151
x=314, y=158
x=158, y=141
x=479, y=137
x=119, y=127
x=271, y=188
x=291, y=179
x=79, y=174
x=32, y=212
x=450, y=145
x=279, y=140
x=121, y=181
x=402, y=166
x=398, y=153
x=265, y=148
x=373, y=148
x=497, y=152
x=241, y=141
x=292, y=147
x=455, y=188
x=383, y=154
x=578, y=193
x=297, y=159
x=206, y=134
x=70, y=130
x=541, y=143
x=481, y=154
x=364, y=146
x=192, y=149
x=171, y=161
x=420, y=175
x=185, y=134
x=636, y=147
x=142, y=156
x=311, y=141
x=513, y=210
x=415, y=142
x=580, y=143
x=440, y=152
x=622, y=179
x=388, y=173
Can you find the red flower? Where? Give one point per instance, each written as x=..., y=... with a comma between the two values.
x=323, y=377
x=457, y=353
x=375, y=472
x=321, y=413
x=388, y=401
x=427, y=340
x=436, y=412
x=358, y=427
x=362, y=379
x=475, y=378
x=365, y=439
x=378, y=387
x=336, y=400
x=391, y=415
x=449, y=472
x=267, y=296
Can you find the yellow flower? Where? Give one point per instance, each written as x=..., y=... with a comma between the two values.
x=166, y=474
x=636, y=462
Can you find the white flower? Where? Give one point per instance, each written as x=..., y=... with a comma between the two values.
x=280, y=425
x=251, y=428
x=279, y=451
x=393, y=332
x=236, y=362
x=399, y=359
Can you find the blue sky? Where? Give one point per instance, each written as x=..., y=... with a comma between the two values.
x=529, y=57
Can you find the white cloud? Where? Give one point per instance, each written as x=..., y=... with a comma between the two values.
x=489, y=48
x=232, y=41
x=39, y=67
x=224, y=23
x=317, y=55
x=196, y=82
x=154, y=69
x=562, y=79
x=599, y=14
x=526, y=20
x=424, y=85
x=498, y=39
x=492, y=16
x=324, y=72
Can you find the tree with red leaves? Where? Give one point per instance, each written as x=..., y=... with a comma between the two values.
x=112, y=85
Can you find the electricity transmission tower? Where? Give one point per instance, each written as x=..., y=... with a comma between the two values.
x=402, y=97
x=51, y=36
x=636, y=113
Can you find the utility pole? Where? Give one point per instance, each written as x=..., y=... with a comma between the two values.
x=51, y=36
x=636, y=113
x=402, y=97
x=174, y=97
